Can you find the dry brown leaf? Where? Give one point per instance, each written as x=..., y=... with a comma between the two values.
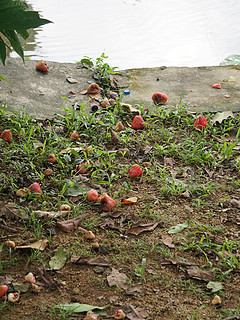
x=39, y=245
x=136, y=230
x=72, y=94
x=129, y=200
x=49, y=215
x=71, y=224
x=196, y=272
x=117, y=278
x=71, y=79
x=134, y=313
x=89, y=261
x=235, y=203
x=168, y=241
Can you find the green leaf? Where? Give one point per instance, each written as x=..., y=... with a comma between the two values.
x=178, y=228
x=2, y=51
x=77, y=307
x=15, y=19
x=75, y=190
x=214, y=286
x=6, y=4
x=59, y=260
x=16, y=44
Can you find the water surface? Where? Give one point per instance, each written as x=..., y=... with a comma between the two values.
x=137, y=33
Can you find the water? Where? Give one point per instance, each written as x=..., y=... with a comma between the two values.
x=137, y=33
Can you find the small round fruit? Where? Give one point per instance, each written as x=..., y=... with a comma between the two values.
x=93, y=88
x=159, y=98
x=135, y=171
x=30, y=278
x=105, y=103
x=83, y=166
x=3, y=290
x=13, y=297
x=74, y=136
x=92, y=195
x=10, y=243
x=21, y=192
x=119, y=127
x=42, y=66
x=48, y=172
x=65, y=207
x=200, y=123
x=90, y=235
x=52, y=158
x=107, y=203
x=6, y=135
x=35, y=188
x=138, y=123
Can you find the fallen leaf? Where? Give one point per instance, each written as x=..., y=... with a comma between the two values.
x=134, y=291
x=71, y=224
x=10, y=211
x=136, y=230
x=168, y=162
x=166, y=261
x=129, y=200
x=72, y=94
x=21, y=287
x=134, y=313
x=196, y=272
x=130, y=109
x=235, y=203
x=77, y=307
x=214, y=286
x=117, y=278
x=168, y=241
x=49, y=215
x=220, y=116
x=89, y=261
x=113, y=82
x=71, y=80
x=58, y=260
x=38, y=245
x=77, y=149
x=178, y=228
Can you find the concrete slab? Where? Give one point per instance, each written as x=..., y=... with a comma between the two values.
x=42, y=95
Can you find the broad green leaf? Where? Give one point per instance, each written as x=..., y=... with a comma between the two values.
x=214, y=286
x=178, y=228
x=2, y=51
x=15, y=19
x=233, y=59
x=77, y=307
x=58, y=261
x=16, y=44
x=7, y=4
x=76, y=190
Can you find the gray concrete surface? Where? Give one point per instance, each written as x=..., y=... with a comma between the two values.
x=43, y=95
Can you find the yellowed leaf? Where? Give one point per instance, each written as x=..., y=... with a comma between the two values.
x=129, y=200
x=69, y=149
x=39, y=245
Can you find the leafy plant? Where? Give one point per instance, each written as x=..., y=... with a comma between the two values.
x=15, y=19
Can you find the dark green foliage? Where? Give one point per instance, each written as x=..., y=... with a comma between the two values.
x=14, y=22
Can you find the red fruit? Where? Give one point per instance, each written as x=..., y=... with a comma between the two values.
x=74, y=136
x=135, y=171
x=35, y=188
x=159, y=98
x=92, y=195
x=200, y=123
x=52, y=158
x=107, y=203
x=42, y=66
x=93, y=88
x=3, y=290
x=6, y=135
x=138, y=123
x=83, y=166
x=120, y=314
x=216, y=86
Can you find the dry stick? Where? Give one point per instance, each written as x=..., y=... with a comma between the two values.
x=7, y=228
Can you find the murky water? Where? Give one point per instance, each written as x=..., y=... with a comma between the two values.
x=137, y=33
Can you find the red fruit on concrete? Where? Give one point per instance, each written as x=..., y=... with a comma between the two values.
x=216, y=86
x=138, y=123
x=93, y=88
x=74, y=136
x=159, y=98
x=35, y=188
x=135, y=171
x=107, y=203
x=6, y=135
x=52, y=158
x=92, y=195
x=3, y=290
x=42, y=66
x=200, y=123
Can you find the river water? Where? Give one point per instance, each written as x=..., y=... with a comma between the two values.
x=137, y=33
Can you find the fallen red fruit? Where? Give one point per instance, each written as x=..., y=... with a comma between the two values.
x=159, y=98
x=52, y=158
x=107, y=203
x=200, y=123
x=3, y=290
x=216, y=86
x=120, y=314
x=83, y=166
x=35, y=188
x=42, y=66
x=92, y=195
x=74, y=136
x=135, y=171
x=93, y=88
x=138, y=123
x=6, y=135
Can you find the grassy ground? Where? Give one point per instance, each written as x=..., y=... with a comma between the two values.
x=190, y=180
